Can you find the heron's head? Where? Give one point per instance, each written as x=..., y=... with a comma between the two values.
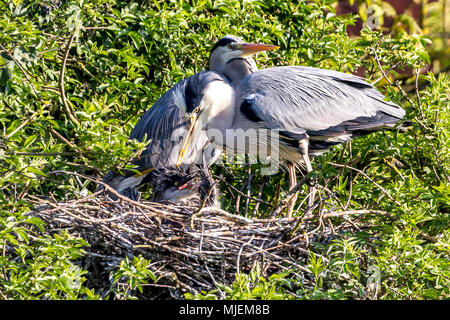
x=205, y=96
x=231, y=47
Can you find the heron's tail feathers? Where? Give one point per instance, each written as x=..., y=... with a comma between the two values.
x=322, y=140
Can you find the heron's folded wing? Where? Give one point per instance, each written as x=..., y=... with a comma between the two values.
x=324, y=104
x=157, y=126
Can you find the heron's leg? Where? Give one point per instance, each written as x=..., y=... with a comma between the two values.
x=312, y=190
x=292, y=184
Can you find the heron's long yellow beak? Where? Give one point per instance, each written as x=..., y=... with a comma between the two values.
x=252, y=48
x=137, y=175
x=187, y=140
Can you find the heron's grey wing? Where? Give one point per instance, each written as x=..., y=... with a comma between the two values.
x=164, y=126
x=157, y=126
x=328, y=106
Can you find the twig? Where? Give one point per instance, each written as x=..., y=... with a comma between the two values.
x=233, y=188
x=276, y=199
x=261, y=187
x=240, y=252
x=350, y=178
x=391, y=68
x=377, y=59
x=61, y=137
x=98, y=28
x=417, y=93
x=107, y=187
x=351, y=212
x=380, y=67
x=369, y=178
x=249, y=185
x=67, y=108
x=41, y=154
x=283, y=204
x=22, y=125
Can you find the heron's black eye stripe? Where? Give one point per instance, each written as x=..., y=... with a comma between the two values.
x=222, y=43
x=191, y=97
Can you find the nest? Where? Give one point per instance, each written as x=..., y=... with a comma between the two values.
x=190, y=249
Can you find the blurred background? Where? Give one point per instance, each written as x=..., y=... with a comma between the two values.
x=429, y=17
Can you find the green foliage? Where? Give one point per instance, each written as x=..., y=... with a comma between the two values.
x=124, y=55
x=251, y=286
x=43, y=266
x=132, y=276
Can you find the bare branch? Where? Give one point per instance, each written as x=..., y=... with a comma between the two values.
x=67, y=108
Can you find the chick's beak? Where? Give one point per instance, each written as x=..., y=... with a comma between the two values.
x=252, y=48
x=189, y=185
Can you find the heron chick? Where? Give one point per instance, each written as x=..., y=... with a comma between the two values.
x=194, y=188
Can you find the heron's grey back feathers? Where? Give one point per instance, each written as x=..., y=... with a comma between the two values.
x=328, y=106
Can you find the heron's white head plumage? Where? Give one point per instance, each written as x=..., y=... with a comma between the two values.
x=223, y=52
x=179, y=100
x=216, y=104
x=231, y=56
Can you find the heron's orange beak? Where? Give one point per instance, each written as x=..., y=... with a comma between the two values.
x=187, y=139
x=252, y=48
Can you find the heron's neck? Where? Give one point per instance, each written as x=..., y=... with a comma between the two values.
x=238, y=68
x=219, y=116
x=234, y=69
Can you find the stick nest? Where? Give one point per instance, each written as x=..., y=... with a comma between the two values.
x=190, y=249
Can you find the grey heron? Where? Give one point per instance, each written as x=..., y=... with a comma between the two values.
x=310, y=109
x=163, y=122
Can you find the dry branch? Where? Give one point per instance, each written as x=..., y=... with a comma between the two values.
x=69, y=112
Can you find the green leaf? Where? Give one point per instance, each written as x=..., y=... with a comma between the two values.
x=29, y=141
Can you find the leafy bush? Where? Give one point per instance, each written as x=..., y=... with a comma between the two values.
x=76, y=75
